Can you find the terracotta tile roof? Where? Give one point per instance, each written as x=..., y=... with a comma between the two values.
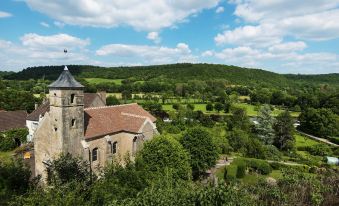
x=12, y=120
x=43, y=108
x=100, y=121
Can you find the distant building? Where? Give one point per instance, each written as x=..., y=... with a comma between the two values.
x=96, y=134
x=332, y=160
x=12, y=120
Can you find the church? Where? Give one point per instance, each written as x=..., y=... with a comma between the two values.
x=95, y=133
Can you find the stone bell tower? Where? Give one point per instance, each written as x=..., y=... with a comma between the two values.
x=66, y=97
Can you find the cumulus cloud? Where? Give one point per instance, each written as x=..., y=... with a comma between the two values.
x=288, y=47
x=282, y=58
x=297, y=18
x=150, y=15
x=154, y=36
x=145, y=54
x=219, y=10
x=4, y=14
x=34, y=50
x=262, y=35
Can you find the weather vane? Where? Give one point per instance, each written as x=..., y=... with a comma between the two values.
x=65, y=52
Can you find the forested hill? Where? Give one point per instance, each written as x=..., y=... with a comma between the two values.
x=177, y=73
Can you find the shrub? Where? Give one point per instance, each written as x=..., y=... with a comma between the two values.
x=241, y=171
x=176, y=106
x=275, y=165
x=320, y=149
x=172, y=129
x=209, y=107
x=260, y=166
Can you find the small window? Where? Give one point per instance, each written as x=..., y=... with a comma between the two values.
x=134, y=146
x=114, y=147
x=55, y=129
x=72, y=98
x=73, y=122
x=55, y=94
x=95, y=154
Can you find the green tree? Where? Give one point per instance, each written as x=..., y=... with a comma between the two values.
x=66, y=169
x=209, y=107
x=14, y=180
x=320, y=122
x=218, y=106
x=240, y=120
x=112, y=100
x=165, y=154
x=264, y=128
x=284, y=130
x=198, y=142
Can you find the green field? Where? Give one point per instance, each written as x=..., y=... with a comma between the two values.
x=101, y=80
x=250, y=178
x=251, y=109
x=302, y=141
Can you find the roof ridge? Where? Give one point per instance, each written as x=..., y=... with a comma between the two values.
x=134, y=115
x=103, y=107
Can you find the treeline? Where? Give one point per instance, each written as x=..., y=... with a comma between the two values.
x=177, y=72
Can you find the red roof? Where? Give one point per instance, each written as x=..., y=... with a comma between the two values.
x=100, y=121
x=12, y=120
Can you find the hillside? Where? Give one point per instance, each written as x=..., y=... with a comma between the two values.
x=178, y=73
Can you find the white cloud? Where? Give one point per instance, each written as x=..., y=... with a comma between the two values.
x=150, y=15
x=154, y=36
x=288, y=47
x=259, y=36
x=145, y=54
x=37, y=50
x=284, y=59
x=219, y=10
x=44, y=24
x=58, y=41
x=4, y=14
x=316, y=20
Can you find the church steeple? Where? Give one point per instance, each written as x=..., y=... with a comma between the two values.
x=66, y=80
x=66, y=97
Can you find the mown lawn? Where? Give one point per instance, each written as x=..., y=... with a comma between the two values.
x=302, y=141
x=250, y=178
x=102, y=80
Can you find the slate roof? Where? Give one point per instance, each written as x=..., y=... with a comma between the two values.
x=43, y=108
x=100, y=121
x=12, y=120
x=66, y=80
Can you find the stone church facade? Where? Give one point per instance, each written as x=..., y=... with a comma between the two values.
x=96, y=134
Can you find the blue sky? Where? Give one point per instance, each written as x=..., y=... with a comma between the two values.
x=284, y=36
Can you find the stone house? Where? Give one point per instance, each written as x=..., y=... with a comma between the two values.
x=34, y=118
x=96, y=134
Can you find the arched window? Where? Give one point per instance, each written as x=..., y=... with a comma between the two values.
x=94, y=154
x=134, y=146
x=72, y=98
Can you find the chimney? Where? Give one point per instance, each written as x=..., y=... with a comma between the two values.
x=36, y=106
x=102, y=95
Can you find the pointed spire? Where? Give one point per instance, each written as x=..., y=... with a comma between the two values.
x=66, y=80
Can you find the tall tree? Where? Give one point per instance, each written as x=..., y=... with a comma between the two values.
x=284, y=130
x=239, y=119
x=198, y=142
x=320, y=122
x=264, y=128
x=164, y=153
